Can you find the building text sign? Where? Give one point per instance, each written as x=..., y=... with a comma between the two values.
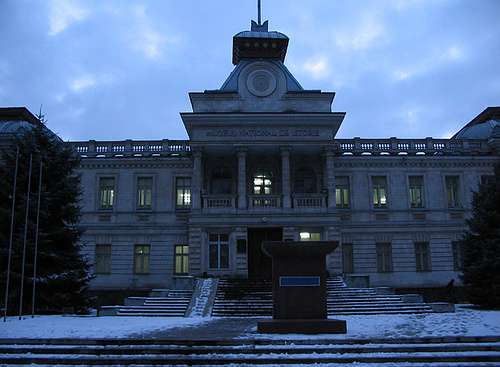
x=263, y=132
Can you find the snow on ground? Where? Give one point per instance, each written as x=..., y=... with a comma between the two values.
x=464, y=322
x=90, y=326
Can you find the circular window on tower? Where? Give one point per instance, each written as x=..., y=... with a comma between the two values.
x=261, y=83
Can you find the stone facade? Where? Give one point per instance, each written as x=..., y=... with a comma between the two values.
x=262, y=154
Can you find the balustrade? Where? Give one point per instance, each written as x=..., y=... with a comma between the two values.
x=218, y=201
x=309, y=201
x=395, y=146
x=265, y=201
x=130, y=148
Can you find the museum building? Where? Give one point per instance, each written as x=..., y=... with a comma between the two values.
x=262, y=163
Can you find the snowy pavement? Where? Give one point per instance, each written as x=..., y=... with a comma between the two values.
x=91, y=326
x=464, y=322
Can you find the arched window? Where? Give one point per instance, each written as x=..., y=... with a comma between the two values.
x=262, y=183
x=305, y=181
x=222, y=181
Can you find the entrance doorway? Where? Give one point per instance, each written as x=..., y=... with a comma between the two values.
x=259, y=264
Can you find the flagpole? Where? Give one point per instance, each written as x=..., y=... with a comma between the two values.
x=25, y=238
x=36, y=239
x=6, y=301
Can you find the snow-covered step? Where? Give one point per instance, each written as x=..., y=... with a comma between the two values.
x=234, y=298
x=414, y=352
x=165, y=302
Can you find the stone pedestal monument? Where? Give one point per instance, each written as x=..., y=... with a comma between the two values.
x=299, y=288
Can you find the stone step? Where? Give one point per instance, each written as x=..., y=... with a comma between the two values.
x=225, y=349
x=254, y=359
x=156, y=314
x=151, y=308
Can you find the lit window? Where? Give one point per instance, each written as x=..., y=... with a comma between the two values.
x=422, y=256
x=181, y=254
x=144, y=192
x=342, y=192
x=416, y=191
x=106, y=192
x=379, y=191
x=183, y=192
x=218, y=248
x=452, y=191
x=384, y=257
x=141, y=259
x=102, y=259
x=310, y=236
x=262, y=184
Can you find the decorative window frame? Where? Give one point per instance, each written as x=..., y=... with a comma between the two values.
x=154, y=190
x=97, y=196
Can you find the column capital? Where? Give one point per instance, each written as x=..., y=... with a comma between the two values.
x=240, y=149
x=328, y=151
x=285, y=149
x=196, y=151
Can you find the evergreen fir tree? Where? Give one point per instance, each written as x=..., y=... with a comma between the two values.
x=62, y=272
x=481, y=245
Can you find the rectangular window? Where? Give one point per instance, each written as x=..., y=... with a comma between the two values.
x=106, y=192
x=342, y=194
x=347, y=258
x=379, y=184
x=384, y=257
x=218, y=248
x=144, y=192
x=310, y=236
x=452, y=191
x=141, y=259
x=183, y=192
x=416, y=191
x=181, y=259
x=422, y=256
x=102, y=259
x=458, y=260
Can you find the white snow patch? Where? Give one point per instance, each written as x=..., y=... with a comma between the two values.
x=90, y=327
x=463, y=322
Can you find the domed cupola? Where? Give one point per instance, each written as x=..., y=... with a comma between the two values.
x=486, y=125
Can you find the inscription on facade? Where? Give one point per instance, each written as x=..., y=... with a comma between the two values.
x=262, y=132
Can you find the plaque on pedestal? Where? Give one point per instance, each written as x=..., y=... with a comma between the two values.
x=299, y=288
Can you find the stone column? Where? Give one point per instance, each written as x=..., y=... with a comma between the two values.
x=330, y=178
x=197, y=181
x=285, y=177
x=242, y=178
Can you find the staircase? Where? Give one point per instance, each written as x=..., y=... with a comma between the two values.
x=414, y=352
x=163, y=302
x=246, y=298
x=367, y=301
x=243, y=298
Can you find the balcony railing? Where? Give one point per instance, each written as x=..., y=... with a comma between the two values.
x=219, y=201
x=130, y=148
x=395, y=146
x=264, y=201
x=309, y=201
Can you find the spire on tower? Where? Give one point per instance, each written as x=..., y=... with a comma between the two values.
x=259, y=12
x=259, y=26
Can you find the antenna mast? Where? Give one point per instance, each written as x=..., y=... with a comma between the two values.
x=259, y=12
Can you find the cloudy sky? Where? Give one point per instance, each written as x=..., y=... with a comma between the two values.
x=114, y=69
